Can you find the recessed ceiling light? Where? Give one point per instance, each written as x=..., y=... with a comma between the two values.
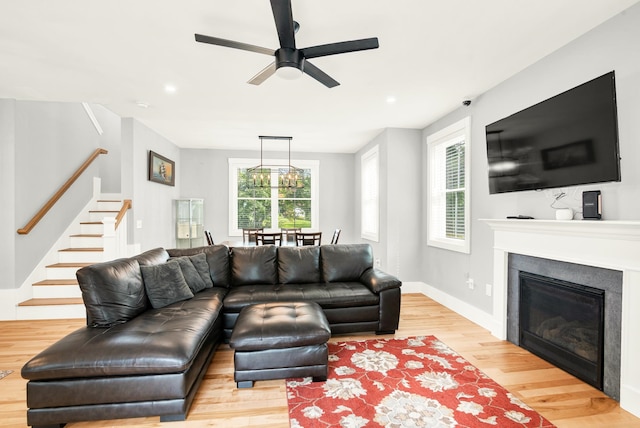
x=170, y=89
x=142, y=104
x=391, y=99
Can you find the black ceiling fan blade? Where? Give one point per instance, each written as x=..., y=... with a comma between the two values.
x=283, y=16
x=263, y=74
x=233, y=44
x=340, y=47
x=319, y=75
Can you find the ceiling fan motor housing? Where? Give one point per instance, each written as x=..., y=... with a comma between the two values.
x=288, y=57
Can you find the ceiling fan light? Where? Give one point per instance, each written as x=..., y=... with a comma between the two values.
x=289, y=72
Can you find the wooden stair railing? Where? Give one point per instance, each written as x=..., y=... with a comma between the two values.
x=125, y=206
x=51, y=202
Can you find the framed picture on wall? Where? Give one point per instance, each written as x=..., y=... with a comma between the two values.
x=161, y=169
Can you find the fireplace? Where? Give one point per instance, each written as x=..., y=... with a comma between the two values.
x=563, y=323
x=559, y=285
x=609, y=246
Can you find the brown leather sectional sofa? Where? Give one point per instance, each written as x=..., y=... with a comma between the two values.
x=148, y=342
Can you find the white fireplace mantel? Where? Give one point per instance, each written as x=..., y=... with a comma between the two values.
x=606, y=244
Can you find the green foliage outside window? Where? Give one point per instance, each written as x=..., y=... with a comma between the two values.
x=254, y=203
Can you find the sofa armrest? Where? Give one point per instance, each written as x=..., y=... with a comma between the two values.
x=378, y=280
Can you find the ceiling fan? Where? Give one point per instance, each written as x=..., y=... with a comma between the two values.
x=290, y=61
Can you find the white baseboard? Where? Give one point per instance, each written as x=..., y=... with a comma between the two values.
x=630, y=398
x=468, y=311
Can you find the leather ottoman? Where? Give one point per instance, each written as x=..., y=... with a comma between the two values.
x=279, y=341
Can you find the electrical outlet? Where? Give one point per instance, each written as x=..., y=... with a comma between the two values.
x=488, y=289
x=139, y=224
x=378, y=263
x=471, y=284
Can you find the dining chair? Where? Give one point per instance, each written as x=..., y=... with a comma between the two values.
x=269, y=238
x=207, y=234
x=336, y=235
x=289, y=234
x=311, y=238
x=249, y=234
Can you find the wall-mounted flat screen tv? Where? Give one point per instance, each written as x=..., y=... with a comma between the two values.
x=567, y=140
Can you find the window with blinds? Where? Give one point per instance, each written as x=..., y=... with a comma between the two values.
x=370, y=182
x=448, y=191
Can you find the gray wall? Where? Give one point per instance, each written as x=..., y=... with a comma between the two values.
x=207, y=177
x=399, y=244
x=44, y=143
x=110, y=165
x=7, y=194
x=611, y=46
x=152, y=202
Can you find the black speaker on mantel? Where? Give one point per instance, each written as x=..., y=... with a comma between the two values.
x=592, y=205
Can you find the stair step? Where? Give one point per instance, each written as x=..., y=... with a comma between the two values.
x=69, y=291
x=64, y=270
x=91, y=227
x=98, y=215
x=53, y=301
x=69, y=265
x=56, y=288
x=51, y=282
x=108, y=204
x=93, y=249
x=70, y=255
x=51, y=308
x=86, y=240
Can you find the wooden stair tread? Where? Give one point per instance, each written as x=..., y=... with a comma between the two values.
x=69, y=265
x=94, y=249
x=87, y=235
x=70, y=281
x=91, y=222
x=53, y=301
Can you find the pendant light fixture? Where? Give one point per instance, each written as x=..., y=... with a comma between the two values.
x=288, y=175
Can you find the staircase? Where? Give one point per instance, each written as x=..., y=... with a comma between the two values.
x=58, y=296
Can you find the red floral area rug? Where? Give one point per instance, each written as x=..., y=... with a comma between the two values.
x=414, y=382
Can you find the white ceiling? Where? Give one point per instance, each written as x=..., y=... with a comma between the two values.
x=432, y=55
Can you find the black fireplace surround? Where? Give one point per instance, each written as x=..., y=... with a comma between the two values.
x=607, y=280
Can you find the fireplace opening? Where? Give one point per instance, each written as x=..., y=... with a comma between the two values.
x=563, y=323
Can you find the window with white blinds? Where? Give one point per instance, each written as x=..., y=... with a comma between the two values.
x=370, y=179
x=448, y=188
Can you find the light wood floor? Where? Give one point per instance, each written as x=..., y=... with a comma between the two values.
x=564, y=400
